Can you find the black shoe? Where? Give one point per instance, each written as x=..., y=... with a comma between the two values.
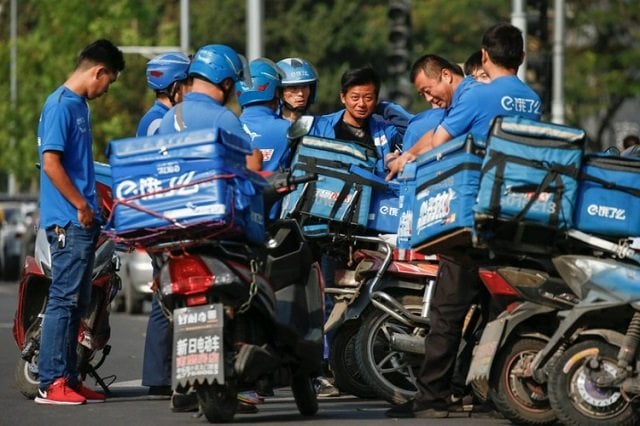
x=246, y=408
x=420, y=410
x=461, y=404
x=160, y=390
x=184, y=402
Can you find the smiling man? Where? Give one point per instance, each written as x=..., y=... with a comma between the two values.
x=359, y=89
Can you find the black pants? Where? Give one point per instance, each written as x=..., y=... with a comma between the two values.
x=457, y=287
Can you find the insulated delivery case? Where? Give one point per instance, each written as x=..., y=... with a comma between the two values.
x=530, y=172
x=345, y=179
x=437, y=194
x=182, y=185
x=608, y=201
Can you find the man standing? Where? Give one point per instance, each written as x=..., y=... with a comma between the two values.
x=68, y=209
x=167, y=76
x=457, y=283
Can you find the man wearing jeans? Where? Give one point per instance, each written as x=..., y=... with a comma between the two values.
x=68, y=206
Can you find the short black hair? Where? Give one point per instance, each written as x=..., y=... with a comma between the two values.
x=504, y=45
x=473, y=62
x=630, y=140
x=360, y=77
x=102, y=52
x=432, y=65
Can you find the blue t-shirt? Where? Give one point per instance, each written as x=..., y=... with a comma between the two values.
x=268, y=133
x=475, y=105
x=200, y=111
x=420, y=124
x=65, y=126
x=150, y=122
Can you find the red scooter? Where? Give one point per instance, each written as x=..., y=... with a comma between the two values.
x=94, y=332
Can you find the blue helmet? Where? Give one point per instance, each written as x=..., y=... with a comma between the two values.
x=299, y=72
x=166, y=69
x=217, y=62
x=266, y=79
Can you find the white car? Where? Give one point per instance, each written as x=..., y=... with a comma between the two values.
x=136, y=273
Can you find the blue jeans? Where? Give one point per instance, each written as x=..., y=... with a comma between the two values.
x=69, y=296
x=156, y=367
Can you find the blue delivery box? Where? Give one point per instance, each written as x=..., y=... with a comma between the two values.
x=437, y=194
x=167, y=184
x=530, y=172
x=343, y=189
x=608, y=198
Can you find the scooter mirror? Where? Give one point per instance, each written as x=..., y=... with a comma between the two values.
x=300, y=128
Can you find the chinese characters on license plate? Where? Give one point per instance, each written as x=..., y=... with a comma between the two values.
x=197, y=345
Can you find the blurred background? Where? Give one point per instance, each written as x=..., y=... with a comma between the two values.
x=598, y=43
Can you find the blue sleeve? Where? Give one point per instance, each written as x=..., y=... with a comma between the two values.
x=56, y=127
x=462, y=117
x=394, y=114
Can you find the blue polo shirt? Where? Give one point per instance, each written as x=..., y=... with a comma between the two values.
x=475, y=105
x=420, y=124
x=65, y=126
x=150, y=122
x=200, y=111
x=268, y=133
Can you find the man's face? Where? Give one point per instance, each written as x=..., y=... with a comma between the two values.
x=360, y=101
x=100, y=84
x=296, y=96
x=435, y=90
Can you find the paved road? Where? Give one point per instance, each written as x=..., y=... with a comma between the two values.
x=130, y=405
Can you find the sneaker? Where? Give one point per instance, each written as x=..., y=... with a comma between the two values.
x=461, y=404
x=249, y=397
x=420, y=410
x=184, y=402
x=59, y=393
x=90, y=395
x=325, y=388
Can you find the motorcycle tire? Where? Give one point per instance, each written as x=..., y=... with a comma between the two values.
x=304, y=394
x=27, y=380
x=218, y=403
x=26, y=374
x=390, y=372
x=574, y=396
x=519, y=399
x=343, y=364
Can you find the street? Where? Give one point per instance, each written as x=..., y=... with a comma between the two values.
x=130, y=403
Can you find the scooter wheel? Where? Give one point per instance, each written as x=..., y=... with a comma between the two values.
x=27, y=379
x=218, y=402
x=519, y=398
x=305, y=394
x=577, y=399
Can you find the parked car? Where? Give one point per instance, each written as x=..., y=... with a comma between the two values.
x=17, y=236
x=136, y=274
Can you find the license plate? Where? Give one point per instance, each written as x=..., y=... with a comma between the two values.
x=198, y=345
x=485, y=352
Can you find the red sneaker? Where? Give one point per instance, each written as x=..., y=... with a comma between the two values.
x=90, y=395
x=59, y=393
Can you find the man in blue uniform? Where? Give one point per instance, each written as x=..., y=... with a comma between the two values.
x=167, y=76
x=259, y=101
x=68, y=212
x=357, y=122
x=215, y=70
x=471, y=110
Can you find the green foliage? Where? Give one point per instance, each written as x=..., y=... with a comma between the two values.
x=601, y=54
